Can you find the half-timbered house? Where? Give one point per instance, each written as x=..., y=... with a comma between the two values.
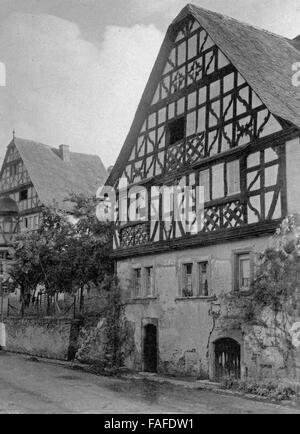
x=219, y=112
x=34, y=174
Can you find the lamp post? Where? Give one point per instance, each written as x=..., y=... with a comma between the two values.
x=9, y=223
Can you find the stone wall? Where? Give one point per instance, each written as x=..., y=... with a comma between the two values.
x=92, y=340
x=49, y=338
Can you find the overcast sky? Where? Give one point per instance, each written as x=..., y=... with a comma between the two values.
x=76, y=69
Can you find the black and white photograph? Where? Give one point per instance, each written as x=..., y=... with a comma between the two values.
x=149, y=210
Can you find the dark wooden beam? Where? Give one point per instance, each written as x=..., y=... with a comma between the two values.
x=200, y=240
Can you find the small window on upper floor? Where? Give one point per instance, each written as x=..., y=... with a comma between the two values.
x=176, y=130
x=196, y=280
x=244, y=272
x=23, y=195
x=13, y=170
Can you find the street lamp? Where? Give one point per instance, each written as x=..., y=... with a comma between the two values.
x=9, y=224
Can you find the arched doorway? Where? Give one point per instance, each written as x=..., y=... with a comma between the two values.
x=227, y=359
x=150, y=348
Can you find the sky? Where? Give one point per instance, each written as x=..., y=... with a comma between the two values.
x=76, y=69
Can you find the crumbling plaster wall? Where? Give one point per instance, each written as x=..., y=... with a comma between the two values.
x=184, y=325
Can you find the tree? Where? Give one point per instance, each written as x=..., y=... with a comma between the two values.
x=68, y=252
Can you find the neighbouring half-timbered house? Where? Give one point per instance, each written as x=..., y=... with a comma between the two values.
x=219, y=112
x=34, y=174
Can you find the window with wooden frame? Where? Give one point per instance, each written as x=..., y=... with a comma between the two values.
x=221, y=180
x=13, y=170
x=203, y=276
x=187, y=280
x=233, y=177
x=176, y=130
x=137, y=272
x=149, y=281
x=243, y=270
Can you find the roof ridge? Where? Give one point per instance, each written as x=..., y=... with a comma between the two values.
x=53, y=148
x=191, y=8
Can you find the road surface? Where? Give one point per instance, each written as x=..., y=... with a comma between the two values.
x=41, y=388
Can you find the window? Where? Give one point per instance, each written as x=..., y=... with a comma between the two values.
x=243, y=271
x=203, y=279
x=149, y=281
x=176, y=130
x=187, y=280
x=137, y=210
x=204, y=181
x=23, y=195
x=233, y=177
x=218, y=181
x=13, y=170
x=137, y=282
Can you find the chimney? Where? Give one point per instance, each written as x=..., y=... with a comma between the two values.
x=64, y=151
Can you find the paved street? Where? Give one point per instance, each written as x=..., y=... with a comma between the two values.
x=31, y=387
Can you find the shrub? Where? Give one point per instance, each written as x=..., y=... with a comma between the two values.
x=271, y=390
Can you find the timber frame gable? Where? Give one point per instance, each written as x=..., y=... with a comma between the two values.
x=17, y=184
x=200, y=120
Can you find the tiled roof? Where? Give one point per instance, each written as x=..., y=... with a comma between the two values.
x=264, y=60
x=55, y=179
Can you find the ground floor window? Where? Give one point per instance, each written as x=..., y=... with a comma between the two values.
x=143, y=282
x=137, y=282
x=243, y=271
x=149, y=281
x=195, y=280
x=203, y=278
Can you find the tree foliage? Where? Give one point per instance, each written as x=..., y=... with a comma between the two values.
x=67, y=252
x=278, y=277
